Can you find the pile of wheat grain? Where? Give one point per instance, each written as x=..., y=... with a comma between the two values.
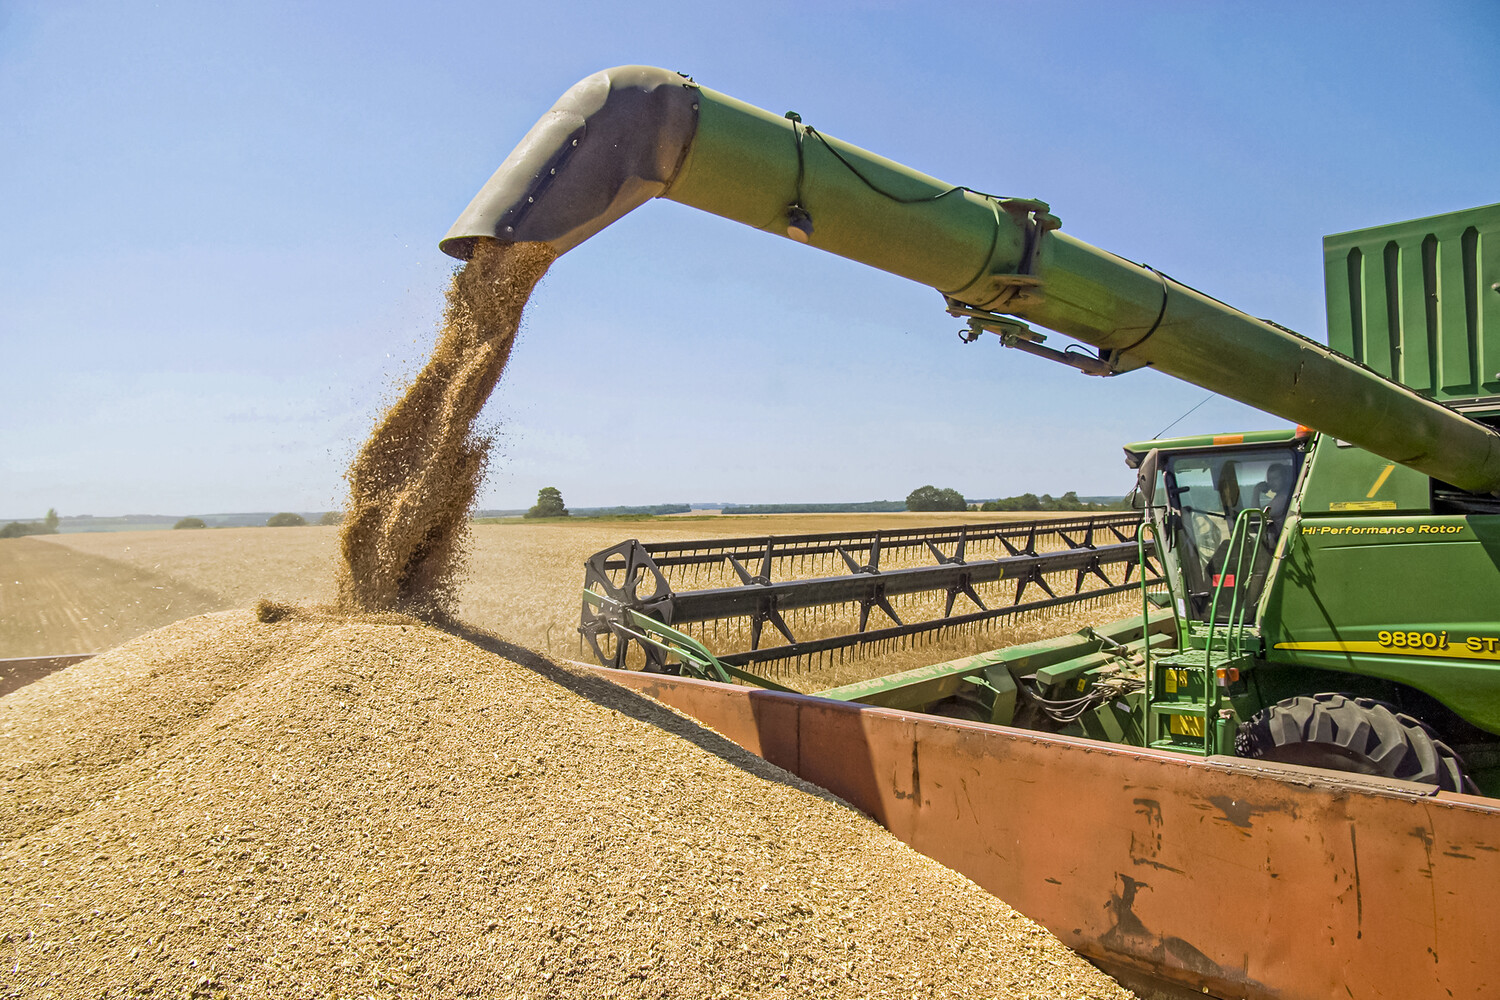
x=320, y=806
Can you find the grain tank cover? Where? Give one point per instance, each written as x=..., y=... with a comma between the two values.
x=1419, y=302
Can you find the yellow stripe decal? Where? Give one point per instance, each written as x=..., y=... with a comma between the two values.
x=1454, y=650
x=1380, y=481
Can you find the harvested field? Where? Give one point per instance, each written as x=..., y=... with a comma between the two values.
x=56, y=599
x=331, y=806
x=522, y=581
x=239, y=565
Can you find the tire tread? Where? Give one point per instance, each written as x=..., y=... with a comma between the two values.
x=1374, y=738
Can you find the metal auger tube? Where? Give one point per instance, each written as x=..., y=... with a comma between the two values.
x=623, y=136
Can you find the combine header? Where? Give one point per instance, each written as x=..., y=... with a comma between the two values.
x=1315, y=674
x=796, y=601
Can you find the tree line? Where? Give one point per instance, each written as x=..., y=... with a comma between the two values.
x=931, y=498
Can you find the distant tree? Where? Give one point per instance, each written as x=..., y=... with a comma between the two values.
x=332, y=517
x=286, y=520
x=932, y=498
x=51, y=520
x=190, y=522
x=549, y=503
x=861, y=507
x=1067, y=502
x=16, y=529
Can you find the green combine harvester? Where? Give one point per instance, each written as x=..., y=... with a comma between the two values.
x=1327, y=595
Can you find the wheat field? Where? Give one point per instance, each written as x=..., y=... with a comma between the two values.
x=89, y=592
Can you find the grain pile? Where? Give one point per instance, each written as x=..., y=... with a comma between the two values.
x=359, y=806
x=413, y=484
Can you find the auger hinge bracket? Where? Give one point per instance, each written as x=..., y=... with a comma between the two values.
x=1016, y=334
x=1019, y=291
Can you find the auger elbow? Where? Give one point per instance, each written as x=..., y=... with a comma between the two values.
x=611, y=143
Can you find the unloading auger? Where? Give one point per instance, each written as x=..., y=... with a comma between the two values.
x=623, y=136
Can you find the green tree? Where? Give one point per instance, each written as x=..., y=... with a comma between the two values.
x=549, y=503
x=332, y=517
x=51, y=520
x=190, y=522
x=286, y=520
x=932, y=498
x=17, y=529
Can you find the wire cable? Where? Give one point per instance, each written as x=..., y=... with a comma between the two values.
x=1183, y=417
x=882, y=191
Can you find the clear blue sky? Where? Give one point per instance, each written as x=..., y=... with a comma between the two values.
x=218, y=242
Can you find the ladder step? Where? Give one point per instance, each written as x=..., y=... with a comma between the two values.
x=1179, y=708
x=1194, y=748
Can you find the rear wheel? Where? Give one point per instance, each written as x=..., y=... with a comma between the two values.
x=1351, y=734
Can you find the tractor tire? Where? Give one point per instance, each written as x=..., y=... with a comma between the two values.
x=1361, y=735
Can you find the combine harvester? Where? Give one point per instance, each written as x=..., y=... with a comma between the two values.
x=1262, y=786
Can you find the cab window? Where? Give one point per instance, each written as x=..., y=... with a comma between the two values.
x=1206, y=492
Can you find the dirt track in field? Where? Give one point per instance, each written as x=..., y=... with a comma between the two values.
x=54, y=599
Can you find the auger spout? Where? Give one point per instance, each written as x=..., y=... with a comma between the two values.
x=611, y=143
x=623, y=136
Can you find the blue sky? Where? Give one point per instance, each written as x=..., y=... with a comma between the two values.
x=218, y=248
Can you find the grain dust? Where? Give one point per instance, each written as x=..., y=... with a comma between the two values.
x=414, y=482
x=340, y=806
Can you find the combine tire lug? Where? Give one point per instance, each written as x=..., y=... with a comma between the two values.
x=1361, y=735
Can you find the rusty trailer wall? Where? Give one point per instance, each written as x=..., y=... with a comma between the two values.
x=1231, y=877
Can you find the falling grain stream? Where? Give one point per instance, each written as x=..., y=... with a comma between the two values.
x=413, y=485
